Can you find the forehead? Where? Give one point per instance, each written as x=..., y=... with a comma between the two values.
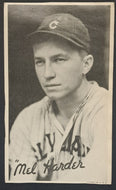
x=54, y=44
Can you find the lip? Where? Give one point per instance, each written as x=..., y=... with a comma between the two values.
x=52, y=85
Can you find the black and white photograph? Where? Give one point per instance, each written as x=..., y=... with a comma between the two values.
x=58, y=74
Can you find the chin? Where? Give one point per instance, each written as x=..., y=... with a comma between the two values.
x=56, y=96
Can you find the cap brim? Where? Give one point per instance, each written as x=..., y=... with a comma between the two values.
x=32, y=35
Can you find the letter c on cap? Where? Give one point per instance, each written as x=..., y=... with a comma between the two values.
x=53, y=24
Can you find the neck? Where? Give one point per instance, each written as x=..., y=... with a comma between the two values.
x=68, y=105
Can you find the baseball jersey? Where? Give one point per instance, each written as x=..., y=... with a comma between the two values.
x=41, y=150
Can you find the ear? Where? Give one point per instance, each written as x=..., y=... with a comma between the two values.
x=87, y=64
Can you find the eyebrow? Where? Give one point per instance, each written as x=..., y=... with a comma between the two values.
x=54, y=56
x=36, y=58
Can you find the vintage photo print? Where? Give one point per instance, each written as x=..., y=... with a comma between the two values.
x=58, y=92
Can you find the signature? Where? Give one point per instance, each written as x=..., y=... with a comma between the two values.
x=23, y=169
x=49, y=167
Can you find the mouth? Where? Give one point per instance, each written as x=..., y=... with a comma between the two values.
x=52, y=85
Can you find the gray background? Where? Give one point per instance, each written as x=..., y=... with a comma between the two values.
x=24, y=87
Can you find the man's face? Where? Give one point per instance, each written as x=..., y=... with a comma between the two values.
x=58, y=67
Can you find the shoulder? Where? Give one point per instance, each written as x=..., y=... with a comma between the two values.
x=98, y=94
x=98, y=90
x=97, y=106
x=35, y=107
x=26, y=117
x=97, y=100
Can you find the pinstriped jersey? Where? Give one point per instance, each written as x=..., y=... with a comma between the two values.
x=40, y=149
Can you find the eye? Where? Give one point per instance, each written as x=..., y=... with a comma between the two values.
x=39, y=62
x=59, y=59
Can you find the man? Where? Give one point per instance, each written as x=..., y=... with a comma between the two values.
x=64, y=136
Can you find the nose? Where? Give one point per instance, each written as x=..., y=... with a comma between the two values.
x=49, y=73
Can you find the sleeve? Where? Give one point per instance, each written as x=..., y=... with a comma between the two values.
x=98, y=161
x=21, y=155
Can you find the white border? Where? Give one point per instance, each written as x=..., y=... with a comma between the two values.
x=111, y=56
x=63, y=3
x=6, y=89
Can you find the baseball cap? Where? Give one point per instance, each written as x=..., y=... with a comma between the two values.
x=66, y=26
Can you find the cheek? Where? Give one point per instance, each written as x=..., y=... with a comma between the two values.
x=74, y=78
x=39, y=73
x=71, y=74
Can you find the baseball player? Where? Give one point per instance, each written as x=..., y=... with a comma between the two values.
x=63, y=137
